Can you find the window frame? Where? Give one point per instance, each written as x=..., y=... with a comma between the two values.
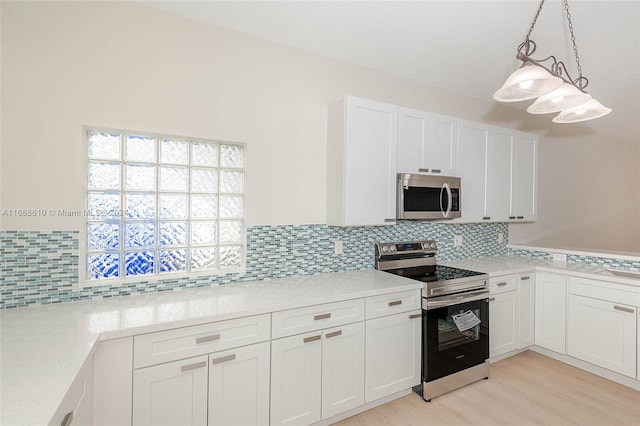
x=83, y=260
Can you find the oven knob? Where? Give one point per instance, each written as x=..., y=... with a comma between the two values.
x=392, y=248
x=385, y=249
x=432, y=245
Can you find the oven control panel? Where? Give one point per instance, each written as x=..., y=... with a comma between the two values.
x=408, y=247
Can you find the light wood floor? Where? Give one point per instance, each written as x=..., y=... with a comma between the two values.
x=526, y=389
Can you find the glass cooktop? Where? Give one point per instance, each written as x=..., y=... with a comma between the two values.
x=430, y=273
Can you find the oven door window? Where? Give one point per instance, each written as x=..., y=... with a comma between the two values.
x=446, y=349
x=450, y=336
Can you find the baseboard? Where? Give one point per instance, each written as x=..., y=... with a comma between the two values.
x=506, y=355
x=362, y=408
x=591, y=368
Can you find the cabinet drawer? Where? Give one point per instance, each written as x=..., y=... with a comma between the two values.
x=504, y=283
x=171, y=345
x=611, y=292
x=302, y=320
x=388, y=304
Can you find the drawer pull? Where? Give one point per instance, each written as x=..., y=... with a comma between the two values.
x=67, y=419
x=223, y=359
x=520, y=217
x=423, y=170
x=311, y=339
x=512, y=217
x=193, y=366
x=486, y=217
x=623, y=309
x=395, y=303
x=322, y=316
x=436, y=171
x=524, y=278
x=208, y=338
x=333, y=334
x=502, y=284
x=414, y=316
x=492, y=299
x=392, y=219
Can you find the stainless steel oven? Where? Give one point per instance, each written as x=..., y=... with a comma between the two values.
x=455, y=315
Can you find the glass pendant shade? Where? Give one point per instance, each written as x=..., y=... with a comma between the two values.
x=525, y=83
x=564, y=97
x=587, y=111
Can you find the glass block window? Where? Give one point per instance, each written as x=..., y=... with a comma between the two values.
x=160, y=205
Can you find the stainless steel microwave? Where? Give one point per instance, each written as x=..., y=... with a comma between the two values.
x=425, y=197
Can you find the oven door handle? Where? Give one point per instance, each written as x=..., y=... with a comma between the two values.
x=456, y=299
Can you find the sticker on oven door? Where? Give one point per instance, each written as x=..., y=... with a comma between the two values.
x=465, y=320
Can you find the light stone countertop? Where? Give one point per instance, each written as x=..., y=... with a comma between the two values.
x=504, y=265
x=43, y=347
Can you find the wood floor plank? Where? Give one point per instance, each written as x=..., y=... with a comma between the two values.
x=526, y=389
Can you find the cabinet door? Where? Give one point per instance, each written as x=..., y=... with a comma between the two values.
x=602, y=333
x=171, y=394
x=342, y=369
x=370, y=162
x=296, y=373
x=498, y=175
x=239, y=386
x=503, y=323
x=526, y=297
x=413, y=134
x=550, y=311
x=523, y=177
x=472, y=152
x=442, y=147
x=638, y=353
x=393, y=348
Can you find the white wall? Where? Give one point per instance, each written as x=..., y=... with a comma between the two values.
x=126, y=66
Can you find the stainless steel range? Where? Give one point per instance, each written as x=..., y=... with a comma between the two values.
x=455, y=315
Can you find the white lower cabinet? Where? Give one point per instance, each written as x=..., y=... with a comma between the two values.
x=503, y=323
x=526, y=296
x=393, y=351
x=174, y=393
x=239, y=386
x=602, y=333
x=317, y=375
x=550, y=311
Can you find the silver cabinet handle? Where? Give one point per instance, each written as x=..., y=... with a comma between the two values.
x=322, y=316
x=502, y=284
x=223, y=359
x=67, y=419
x=395, y=302
x=524, y=278
x=206, y=339
x=333, y=334
x=414, y=316
x=492, y=299
x=436, y=171
x=623, y=309
x=193, y=366
x=311, y=339
x=423, y=170
x=390, y=219
x=486, y=218
x=512, y=217
x=520, y=217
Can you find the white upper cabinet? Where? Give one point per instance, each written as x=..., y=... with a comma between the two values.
x=497, y=167
x=524, y=155
x=472, y=167
x=361, y=162
x=427, y=143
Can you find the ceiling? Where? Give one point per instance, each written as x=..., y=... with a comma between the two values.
x=464, y=46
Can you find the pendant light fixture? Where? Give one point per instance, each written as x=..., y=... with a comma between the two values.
x=552, y=85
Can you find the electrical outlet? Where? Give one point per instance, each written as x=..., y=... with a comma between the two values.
x=560, y=257
x=337, y=248
x=457, y=240
x=500, y=237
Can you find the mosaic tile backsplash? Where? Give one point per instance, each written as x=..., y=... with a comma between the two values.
x=42, y=267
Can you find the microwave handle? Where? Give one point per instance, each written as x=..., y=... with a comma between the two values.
x=445, y=187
